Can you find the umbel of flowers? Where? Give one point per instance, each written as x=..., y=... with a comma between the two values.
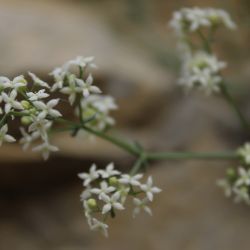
x=195, y=28
x=32, y=105
x=237, y=181
x=107, y=191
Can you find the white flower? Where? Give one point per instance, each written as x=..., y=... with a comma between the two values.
x=202, y=70
x=83, y=62
x=244, y=152
x=89, y=177
x=59, y=75
x=192, y=19
x=72, y=89
x=38, y=81
x=4, y=137
x=47, y=109
x=104, y=189
x=35, y=96
x=141, y=204
x=27, y=139
x=111, y=202
x=109, y=171
x=16, y=83
x=244, y=177
x=86, y=194
x=41, y=126
x=86, y=86
x=225, y=185
x=149, y=189
x=241, y=194
x=10, y=101
x=131, y=179
x=45, y=149
x=104, y=103
x=99, y=226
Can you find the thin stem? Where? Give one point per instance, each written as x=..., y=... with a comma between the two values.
x=192, y=156
x=130, y=148
x=230, y=100
x=138, y=164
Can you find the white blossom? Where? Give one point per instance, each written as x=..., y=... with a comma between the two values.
x=35, y=96
x=71, y=89
x=244, y=152
x=16, y=83
x=244, y=177
x=141, y=205
x=4, y=137
x=27, y=139
x=131, y=179
x=86, y=87
x=111, y=202
x=47, y=109
x=241, y=194
x=83, y=62
x=109, y=171
x=226, y=186
x=99, y=226
x=45, y=148
x=38, y=81
x=89, y=177
x=104, y=189
x=149, y=189
x=10, y=101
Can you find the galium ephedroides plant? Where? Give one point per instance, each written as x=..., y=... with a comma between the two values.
x=106, y=191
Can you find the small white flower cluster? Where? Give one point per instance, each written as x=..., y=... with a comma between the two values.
x=237, y=183
x=192, y=19
x=200, y=68
x=106, y=191
x=36, y=110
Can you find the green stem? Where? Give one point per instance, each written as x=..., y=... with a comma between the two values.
x=230, y=100
x=138, y=164
x=130, y=148
x=192, y=156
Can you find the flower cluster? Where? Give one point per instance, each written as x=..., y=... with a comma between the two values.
x=106, y=192
x=237, y=183
x=200, y=67
x=32, y=104
x=192, y=19
x=201, y=70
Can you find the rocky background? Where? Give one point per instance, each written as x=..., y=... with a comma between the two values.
x=135, y=51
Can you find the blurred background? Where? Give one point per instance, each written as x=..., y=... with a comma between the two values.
x=138, y=64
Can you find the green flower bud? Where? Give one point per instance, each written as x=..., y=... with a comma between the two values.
x=89, y=112
x=32, y=111
x=231, y=173
x=26, y=120
x=113, y=181
x=25, y=104
x=92, y=203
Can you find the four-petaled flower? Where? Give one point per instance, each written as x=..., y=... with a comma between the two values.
x=111, y=202
x=45, y=149
x=109, y=171
x=244, y=177
x=89, y=177
x=47, y=109
x=10, y=101
x=4, y=137
x=104, y=189
x=86, y=86
x=141, y=204
x=149, y=189
x=131, y=179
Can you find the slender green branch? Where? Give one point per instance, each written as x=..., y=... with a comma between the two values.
x=130, y=148
x=230, y=100
x=138, y=164
x=192, y=156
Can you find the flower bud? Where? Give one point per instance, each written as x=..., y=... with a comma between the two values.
x=26, y=120
x=92, y=203
x=113, y=181
x=25, y=104
x=231, y=173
